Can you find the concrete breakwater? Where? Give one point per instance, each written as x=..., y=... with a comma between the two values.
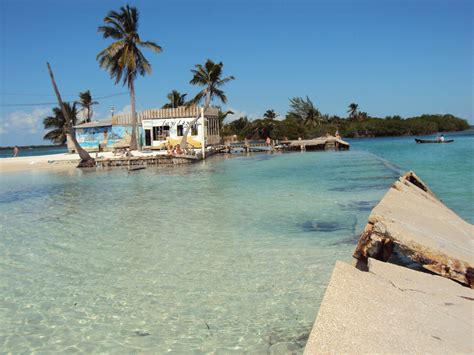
x=410, y=289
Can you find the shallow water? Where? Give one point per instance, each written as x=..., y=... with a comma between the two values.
x=231, y=255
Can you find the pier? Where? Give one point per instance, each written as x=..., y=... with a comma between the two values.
x=320, y=143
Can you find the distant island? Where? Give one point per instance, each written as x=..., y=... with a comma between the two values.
x=305, y=126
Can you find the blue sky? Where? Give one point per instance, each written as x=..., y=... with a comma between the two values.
x=404, y=57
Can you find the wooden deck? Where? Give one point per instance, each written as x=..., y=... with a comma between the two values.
x=321, y=143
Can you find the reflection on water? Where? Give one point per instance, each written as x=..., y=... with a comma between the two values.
x=229, y=255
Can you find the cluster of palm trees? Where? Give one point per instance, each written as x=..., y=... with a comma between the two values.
x=124, y=61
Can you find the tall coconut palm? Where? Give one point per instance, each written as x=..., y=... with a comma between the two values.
x=123, y=58
x=209, y=77
x=58, y=135
x=270, y=114
x=85, y=100
x=352, y=110
x=176, y=99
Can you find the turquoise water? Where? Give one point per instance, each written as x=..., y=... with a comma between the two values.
x=229, y=256
x=26, y=152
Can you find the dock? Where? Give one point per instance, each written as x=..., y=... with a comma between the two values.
x=320, y=143
x=410, y=289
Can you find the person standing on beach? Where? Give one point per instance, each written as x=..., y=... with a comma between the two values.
x=16, y=151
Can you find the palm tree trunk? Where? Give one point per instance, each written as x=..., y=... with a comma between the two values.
x=133, y=139
x=183, y=143
x=86, y=159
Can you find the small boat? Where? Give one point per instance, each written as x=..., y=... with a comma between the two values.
x=433, y=141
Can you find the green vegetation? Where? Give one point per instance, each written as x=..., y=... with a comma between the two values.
x=59, y=124
x=58, y=135
x=123, y=59
x=176, y=99
x=304, y=120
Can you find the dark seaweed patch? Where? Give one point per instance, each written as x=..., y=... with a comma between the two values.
x=348, y=188
x=315, y=226
x=352, y=240
x=363, y=206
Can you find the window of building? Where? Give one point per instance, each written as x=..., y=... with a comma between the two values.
x=160, y=133
x=194, y=130
x=180, y=130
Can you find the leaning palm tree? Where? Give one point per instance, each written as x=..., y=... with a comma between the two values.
x=270, y=114
x=123, y=59
x=209, y=77
x=352, y=111
x=86, y=160
x=86, y=105
x=58, y=123
x=176, y=99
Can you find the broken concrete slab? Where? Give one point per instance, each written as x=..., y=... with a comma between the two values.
x=392, y=309
x=413, y=222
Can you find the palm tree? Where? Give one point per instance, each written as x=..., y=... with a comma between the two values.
x=209, y=77
x=352, y=111
x=305, y=111
x=86, y=105
x=86, y=160
x=176, y=99
x=222, y=116
x=270, y=114
x=57, y=121
x=123, y=59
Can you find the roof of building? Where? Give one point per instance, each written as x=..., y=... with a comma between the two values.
x=179, y=112
x=102, y=123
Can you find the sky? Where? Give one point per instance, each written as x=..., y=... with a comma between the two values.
x=405, y=57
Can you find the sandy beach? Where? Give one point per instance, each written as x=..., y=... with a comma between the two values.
x=60, y=161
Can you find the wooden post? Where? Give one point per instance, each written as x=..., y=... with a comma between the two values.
x=203, y=135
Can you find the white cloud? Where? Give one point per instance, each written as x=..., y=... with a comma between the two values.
x=23, y=127
x=25, y=121
x=125, y=110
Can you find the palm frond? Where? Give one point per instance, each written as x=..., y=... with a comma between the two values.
x=151, y=45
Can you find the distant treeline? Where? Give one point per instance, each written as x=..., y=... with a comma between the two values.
x=35, y=146
x=360, y=125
